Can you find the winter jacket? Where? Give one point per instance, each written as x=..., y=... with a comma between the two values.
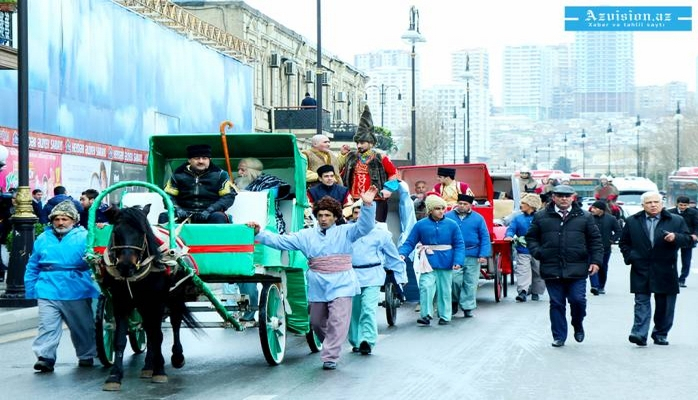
x=193, y=192
x=609, y=228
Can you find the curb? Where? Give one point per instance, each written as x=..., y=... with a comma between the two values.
x=17, y=320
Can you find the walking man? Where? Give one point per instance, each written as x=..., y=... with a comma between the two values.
x=610, y=233
x=690, y=215
x=476, y=239
x=649, y=243
x=566, y=241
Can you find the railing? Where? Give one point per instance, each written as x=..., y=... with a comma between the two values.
x=343, y=131
x=6, y=28
x=299, y=118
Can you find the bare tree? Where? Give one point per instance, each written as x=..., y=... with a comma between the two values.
x=430, y=146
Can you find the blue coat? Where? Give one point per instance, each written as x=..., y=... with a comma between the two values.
x=56, y=269
x=430, y=232
x=518, y=227
x=476, y=237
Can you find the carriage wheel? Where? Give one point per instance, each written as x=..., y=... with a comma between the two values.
x=498, y=278
x=391, y=303
x=105, y=326
x=136, y=333
x=272, y=324
x=505, y=284
x=313, y=341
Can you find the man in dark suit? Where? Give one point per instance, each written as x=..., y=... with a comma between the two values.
x=649, y=243
x=690, y=215
x=37, y=195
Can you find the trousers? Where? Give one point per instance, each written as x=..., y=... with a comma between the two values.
x=363, y=326
x=77, y=315
x=330, y=322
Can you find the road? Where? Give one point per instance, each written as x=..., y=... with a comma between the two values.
x=502, y=353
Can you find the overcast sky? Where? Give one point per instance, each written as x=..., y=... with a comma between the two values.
x=351, y=27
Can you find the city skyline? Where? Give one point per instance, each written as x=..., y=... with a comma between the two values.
x=660, y=57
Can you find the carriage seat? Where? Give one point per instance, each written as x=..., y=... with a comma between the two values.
x=249, y=206
x=503, y=208
x=157, y=205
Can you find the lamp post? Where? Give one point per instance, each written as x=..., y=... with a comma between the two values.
x=609, y=131
x=536, y=156
x=318, y=73
x=678, y=117
x=565, y=153
x=584, y=158
x=412, y=36
x=454, y=134
x=466, y=104
x=383, y=89
x=637, y=134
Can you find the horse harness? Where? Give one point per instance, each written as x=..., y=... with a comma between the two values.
x=144, y=266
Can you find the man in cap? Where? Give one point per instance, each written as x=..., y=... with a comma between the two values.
x=365, y=166
x=200, y=189
x=527, y=268
x=328, y=187
x=58, y=276
x=448, y=188
x=566, y=241
x=441, y=252
x=690, y=215
x=318, y=155
x=478, y=247
x=610, y=232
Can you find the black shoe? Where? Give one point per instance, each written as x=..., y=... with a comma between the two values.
x=443, y=321
x=44, y=365
x=424, y=321
x=602, y=291
x=660, y=340
x=88, y=362
x=429, y=317
x=682, y=284
x=535, y=297
x=355, y=350
x=638, y=340
x=365, y=348
x=329, y=365
x=579, y=336
x=454, y=308
x=521, y=296
x=467, y=314
x=595, y=291
x=557, y=343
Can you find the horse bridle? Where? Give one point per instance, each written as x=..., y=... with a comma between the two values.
x=143, y=265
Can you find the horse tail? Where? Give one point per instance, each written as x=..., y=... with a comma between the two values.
x=178, y=308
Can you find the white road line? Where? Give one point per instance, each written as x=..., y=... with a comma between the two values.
x=260, y=397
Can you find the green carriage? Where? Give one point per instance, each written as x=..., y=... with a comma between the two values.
x=226, y=253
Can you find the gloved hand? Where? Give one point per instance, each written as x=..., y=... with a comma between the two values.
x=180, y=214
x=203, y=216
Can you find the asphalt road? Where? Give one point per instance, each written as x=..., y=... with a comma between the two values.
x=502, y=353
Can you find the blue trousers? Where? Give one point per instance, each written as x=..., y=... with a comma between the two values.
x=363, y=326
x=77, y=315
x=562, y=291
x=598, y=280
x=663, y=314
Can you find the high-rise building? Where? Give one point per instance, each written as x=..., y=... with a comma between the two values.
x=528, y=81
x=562, y=68
x=605, y=73
x=478, y=60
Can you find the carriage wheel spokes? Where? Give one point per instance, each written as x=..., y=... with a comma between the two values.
x=391, y=303
x=272, y=324
x=499, y=279
x=105, y=327
x=136, y=332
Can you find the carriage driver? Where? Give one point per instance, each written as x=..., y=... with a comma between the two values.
x=200, y=189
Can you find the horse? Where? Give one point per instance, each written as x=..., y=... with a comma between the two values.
x=136, y=277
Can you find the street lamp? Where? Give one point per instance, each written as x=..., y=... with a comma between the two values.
x=383, y=89
x=584, y=159
x=565, y=154
x=466, y=104
x=318, y=72
x=609, y=131
x=454, y=134
x=637, y=134
x=412, y=36
x=678, y=117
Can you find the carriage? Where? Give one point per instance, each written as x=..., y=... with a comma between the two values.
x=222, y=253
x=477, y=176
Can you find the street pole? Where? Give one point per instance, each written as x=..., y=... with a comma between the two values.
x=24, y=219
x=565, y=153
x=678, y=118
x=467, y=111
x=454, y=134
x=637, y=133
x=382, y=100
x=584, y=158
x=609, y=131
x=412, y=36
x=318, y=73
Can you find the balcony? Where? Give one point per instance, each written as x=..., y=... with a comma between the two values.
x=300, y=121
x=8, y=50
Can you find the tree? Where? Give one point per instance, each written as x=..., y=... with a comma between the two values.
x=430, y=147
x=563, y=164
x=384, y=140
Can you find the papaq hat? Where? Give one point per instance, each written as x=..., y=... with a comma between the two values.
x=467, y=198
x=325, y=168
x=450, y=172
x=198, y=150
x=365, y=131
x=65, y=208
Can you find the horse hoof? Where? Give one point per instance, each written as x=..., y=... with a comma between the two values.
x=112, y=387
x=159, y=379
x=146, y=374
x=177, y=361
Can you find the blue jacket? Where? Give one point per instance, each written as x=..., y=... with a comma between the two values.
x=476, y=237
x=56, y=269
x=518, y=227
x=430, y=232
x=100, y=217
x=52, y=202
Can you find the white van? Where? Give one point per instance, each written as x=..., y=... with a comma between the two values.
x=629, y=191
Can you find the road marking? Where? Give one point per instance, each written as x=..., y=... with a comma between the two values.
x=260, y=397
x=12, y=337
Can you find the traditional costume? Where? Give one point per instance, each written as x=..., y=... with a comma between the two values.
x=451, y=191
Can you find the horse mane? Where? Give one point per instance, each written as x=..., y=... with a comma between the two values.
x=135, y=219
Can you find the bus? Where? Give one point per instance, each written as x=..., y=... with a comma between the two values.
x=683, y=183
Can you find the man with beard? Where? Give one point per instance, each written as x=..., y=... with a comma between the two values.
x=318, y=155
x=366, y=167
x=252, y=179
x=58, y=276
x=199, y=189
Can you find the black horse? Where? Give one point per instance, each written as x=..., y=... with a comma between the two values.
x=136, y=278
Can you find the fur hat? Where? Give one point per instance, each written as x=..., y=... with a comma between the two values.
x=325, y=168
x=434, y=201
x=450, y=172
x=600, y=204
x=533, y=200
x=198, y=150
x=65, y=208
x=365, y=131
x=467, y=198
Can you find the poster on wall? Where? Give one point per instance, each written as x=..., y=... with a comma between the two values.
x=121, y=172
x=44, y=171
x=82, y=173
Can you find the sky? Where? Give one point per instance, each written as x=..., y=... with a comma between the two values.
x=351, y=27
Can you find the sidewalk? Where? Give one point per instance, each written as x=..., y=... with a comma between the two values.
x=14, y=320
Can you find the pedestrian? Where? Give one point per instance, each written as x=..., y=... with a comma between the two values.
x=87, y=199
x=60, y=194
x=372, y=255
x=690, y=215
x=449, y=188
x=317, y=155
x=37, y=195
x=610, y=233
x=199, y=189
x=308, y=101
x=440, y=253
x=478, y=247
x=365, y=166
x=58, y=276
x=332, y=282
x=649, y=243
x=566, y=241
x=526, y=268
x=528, y=184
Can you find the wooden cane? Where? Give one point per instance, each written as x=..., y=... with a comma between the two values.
x=225, y=124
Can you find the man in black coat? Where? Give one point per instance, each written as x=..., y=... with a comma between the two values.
x=610, y=233
x=566, y=241
x=690, y=215
x=649, y=243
